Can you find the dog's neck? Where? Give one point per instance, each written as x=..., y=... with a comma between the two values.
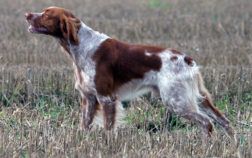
x=89, y=41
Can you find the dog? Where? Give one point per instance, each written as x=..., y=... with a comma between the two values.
x=108, y=71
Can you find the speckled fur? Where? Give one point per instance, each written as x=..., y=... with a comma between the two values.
x=108, y=71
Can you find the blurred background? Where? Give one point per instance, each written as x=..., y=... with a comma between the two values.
x=37, y=86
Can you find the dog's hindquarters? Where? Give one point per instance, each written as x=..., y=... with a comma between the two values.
x=181, y=96
x=182, y=90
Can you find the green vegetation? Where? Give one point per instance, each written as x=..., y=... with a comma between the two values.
x=158, y=4
x=39, y=108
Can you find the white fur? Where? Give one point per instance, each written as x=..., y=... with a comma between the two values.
x=148, y=54
x=90, y=40
x=178, y=84
x=82, y=53
x=176, y=80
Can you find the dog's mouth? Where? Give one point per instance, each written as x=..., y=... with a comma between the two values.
x=34, y=29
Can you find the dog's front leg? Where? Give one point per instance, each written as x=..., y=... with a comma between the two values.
x=89, y=105
x=109, y=109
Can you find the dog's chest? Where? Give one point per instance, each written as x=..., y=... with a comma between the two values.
x=84, y=76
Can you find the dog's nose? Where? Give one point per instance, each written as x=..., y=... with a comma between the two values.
x=28, y=16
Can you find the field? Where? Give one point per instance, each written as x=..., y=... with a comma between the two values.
x=39, y=108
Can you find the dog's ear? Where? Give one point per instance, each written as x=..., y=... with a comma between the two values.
x=69, y=27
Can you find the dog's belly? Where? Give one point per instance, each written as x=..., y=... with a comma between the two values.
x=131, y=91
x=138, y=87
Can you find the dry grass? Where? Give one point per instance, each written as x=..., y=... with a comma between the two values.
x=39, y=107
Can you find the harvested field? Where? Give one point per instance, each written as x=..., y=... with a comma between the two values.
x=39, y=108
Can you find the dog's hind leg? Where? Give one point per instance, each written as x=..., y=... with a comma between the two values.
x=181, y=98
x=202, y=120
x=191, y=113
x=208, y=107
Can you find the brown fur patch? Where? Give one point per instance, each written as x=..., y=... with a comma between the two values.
x=109, y=114
x=174, y=51
x=174, y=58
x=58, y=22
x=188, y=60
x=118, y=63
x=207, y=103
x=210, y=129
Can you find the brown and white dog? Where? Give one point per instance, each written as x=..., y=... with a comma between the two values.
x=108, y=71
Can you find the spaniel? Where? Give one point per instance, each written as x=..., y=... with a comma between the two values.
x=108, y=71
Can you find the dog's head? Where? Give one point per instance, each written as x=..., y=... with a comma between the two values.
x=55, y=21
